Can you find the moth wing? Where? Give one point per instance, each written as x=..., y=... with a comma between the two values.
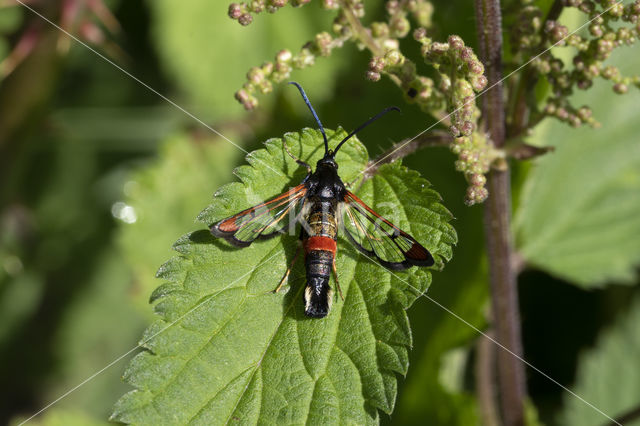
x=375, y=236
x=264, y=220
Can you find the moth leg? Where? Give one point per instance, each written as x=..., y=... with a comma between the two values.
x=297, y=160
x=286, y=275
x=335, y=275
x=352, y=185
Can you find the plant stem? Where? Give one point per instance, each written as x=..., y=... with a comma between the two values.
x=485, y=381
x=360, y=31
x=403, y=148
x=504, y=292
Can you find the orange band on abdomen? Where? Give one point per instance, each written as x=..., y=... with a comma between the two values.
x=320, y=243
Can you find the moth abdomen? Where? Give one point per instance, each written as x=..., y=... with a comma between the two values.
x=318, y=294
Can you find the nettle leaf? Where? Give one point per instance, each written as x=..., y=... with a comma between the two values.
x=165, y=196
x=239, y=352
x=607, y=375
x=578, y=216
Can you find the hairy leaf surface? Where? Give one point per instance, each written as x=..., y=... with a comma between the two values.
x=238, y=352
x=607, y=375
x=578, y=217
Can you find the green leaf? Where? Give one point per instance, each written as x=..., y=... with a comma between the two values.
x=198, y=44
x=444, y=356
x=10, y=19
x=436, y=392
x=84, y=342
x=577, y=218
x=607, y=375
x=240, y=352
x=164, y=197
x=61, y=417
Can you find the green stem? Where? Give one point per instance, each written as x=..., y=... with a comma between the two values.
x=360, y=31
x=504, y=291
x=404, y=148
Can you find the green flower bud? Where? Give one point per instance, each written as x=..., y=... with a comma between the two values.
x=377, y=64
x=400, y=26
x=478, y=82
x=394, y=57
x=477, y=179
x=392, y=6
x=255, y=75
x=455, y=42
x=610, y=73
x=620, y=88
x=467, y=128
x=245, y=19
x=257, y=6
x=562, y=114
x=323, y=42
x=584, y=112
x=420, y=34
x=235, y=11
x=423, y=12
x=372, y=76
x=284, y=56
x=379, y=29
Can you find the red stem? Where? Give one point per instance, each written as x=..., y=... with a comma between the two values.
x=504, y=291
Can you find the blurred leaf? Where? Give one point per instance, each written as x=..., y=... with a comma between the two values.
x=437, y=376
x=95, y=330
x=428, y=396
x=119, y=129
x=247, y=353
x=10, y=19
x=199, y=45
x=608, y=375
x=531, y=417
x=62, y=417
x=4, y=48
x=164, y=197
x=66, y=297
x=19, y=300
x=577, y=218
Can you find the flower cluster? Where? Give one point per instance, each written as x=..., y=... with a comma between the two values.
x=261, y=79
x=475, y=155
x=450, y=96
x=611, y=25
x=381, y=38
x=461, y=76
x=243, y=12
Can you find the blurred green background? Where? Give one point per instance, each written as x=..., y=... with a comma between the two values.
x=99, y=176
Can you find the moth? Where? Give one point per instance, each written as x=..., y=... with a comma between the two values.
x=323, y=206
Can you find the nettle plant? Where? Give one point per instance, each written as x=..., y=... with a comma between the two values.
x=227, y=348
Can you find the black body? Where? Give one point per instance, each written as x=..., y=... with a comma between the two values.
x=322, y=205
x=324, y=188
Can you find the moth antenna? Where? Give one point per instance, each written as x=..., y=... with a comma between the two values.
x=365, y=124
x=306, y=101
